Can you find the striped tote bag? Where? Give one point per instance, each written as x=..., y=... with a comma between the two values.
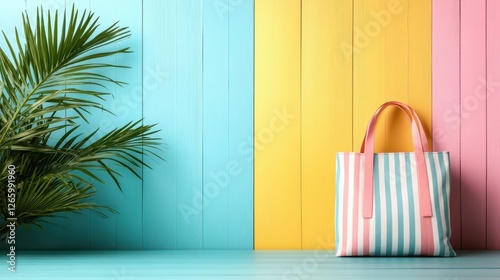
x=393, y=204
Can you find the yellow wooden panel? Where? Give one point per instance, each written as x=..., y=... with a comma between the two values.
x=420, y=63
x=369, y=71
x=408, y=66
x=326, y=112
x=391, y=62
x=394, y=18
x=355, y=55
x=277, y=124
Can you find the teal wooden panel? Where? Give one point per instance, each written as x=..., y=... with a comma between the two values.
x=215, y=128
x=160, y=106
x=103, y=231
x=188, y=147
x=129, y=204
x=71, y=231
x=240, y=15
x=54, y=235
x=77, y=226
x=12, y=19
x=194, y=78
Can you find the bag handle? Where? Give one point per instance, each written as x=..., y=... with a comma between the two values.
x=420, y=145
x=411, y=115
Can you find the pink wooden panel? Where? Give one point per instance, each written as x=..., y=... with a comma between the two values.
x=493, y=126
x=446, y=95
x=473, y=124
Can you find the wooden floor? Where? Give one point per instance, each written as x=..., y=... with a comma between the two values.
x=299, y=265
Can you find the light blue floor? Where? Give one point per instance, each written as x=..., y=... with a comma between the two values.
x=299, y=265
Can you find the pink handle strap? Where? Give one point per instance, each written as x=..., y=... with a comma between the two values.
x=410, y=115
x=420, y=145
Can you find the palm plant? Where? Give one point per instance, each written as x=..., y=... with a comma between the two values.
x=50, y=80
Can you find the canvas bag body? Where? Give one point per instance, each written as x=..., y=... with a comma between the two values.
x=398, y=214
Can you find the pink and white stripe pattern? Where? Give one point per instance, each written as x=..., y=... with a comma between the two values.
x=396, y=227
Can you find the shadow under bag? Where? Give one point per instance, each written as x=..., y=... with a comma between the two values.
x=393, y=204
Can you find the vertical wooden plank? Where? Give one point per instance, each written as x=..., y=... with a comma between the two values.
x=215, y=127
x=160, y=98
x=493, y=118
x=369, y=70
x=420, y=61
x=277, y=124
x=77, y=227
x=473, y=124
x=189, y=124
x=54, y=235
x=129, y=203
x=395, y=19
x=446, y=97
x=11, y=20
x=326, y=113
x=241, y=94
x=103, y=231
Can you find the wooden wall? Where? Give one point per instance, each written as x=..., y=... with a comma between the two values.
x=202, y=196
x=334, y=63
x=192, y=73
x=466, y=71
x=255, y=97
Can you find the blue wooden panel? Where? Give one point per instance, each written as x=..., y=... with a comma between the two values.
x=215, y=128
x=68, y=231
x=241, y=35
x=103, y=231
x=160, y=95
x=77, y=226
x=188, y=147
x=124, y=230
x=195, y=78
x=129, y=204
x=12, y=19
x=72, y=230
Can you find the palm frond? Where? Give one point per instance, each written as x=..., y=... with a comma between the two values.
x=54, y=66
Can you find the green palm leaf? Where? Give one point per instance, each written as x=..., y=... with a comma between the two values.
x=54, y=69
